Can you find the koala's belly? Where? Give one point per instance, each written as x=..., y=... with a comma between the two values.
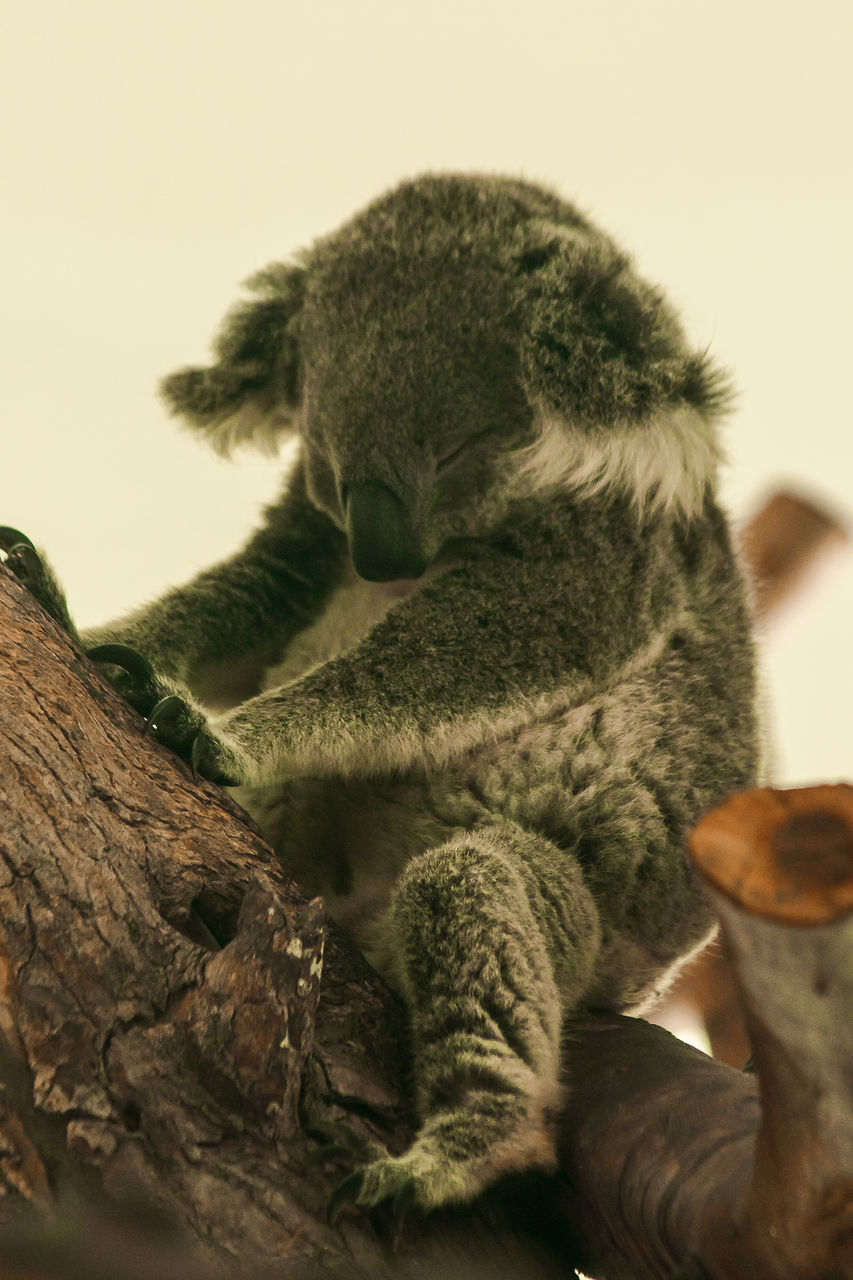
x=348, y=839
x=611, y=785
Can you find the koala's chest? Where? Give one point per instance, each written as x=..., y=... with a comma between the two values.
x=353, y=610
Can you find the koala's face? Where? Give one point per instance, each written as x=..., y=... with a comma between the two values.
x=412, y=400
x=409, y=348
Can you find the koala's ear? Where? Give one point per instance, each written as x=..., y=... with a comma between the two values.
x=606, y=364
x=251, y=393
x=600, y=345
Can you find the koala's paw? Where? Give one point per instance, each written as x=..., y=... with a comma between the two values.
x=418, y=1180
x=22, y=559
x=456, y=1156
x=171, y=715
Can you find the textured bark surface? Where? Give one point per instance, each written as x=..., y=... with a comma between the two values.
x=175, y=1020
x=780, y=868
x=160, y=976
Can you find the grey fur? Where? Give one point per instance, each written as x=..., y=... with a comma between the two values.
x=489, y=769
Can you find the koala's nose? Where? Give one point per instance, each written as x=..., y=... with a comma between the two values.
x=382, y=542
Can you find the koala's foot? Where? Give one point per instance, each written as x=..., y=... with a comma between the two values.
x=456, y=1155
x=34, y=573
x=172, y=716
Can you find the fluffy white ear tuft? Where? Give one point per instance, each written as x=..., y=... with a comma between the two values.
x=251, y=424
x=664, y=464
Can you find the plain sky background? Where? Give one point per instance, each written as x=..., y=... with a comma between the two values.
x=154, y=154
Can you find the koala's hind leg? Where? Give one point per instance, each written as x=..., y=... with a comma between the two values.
x=491, y=937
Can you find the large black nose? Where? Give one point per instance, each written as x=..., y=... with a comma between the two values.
x=382, y=541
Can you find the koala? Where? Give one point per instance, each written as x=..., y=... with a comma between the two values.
x=489, y=655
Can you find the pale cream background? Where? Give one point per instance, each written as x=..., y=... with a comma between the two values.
x=152, y=154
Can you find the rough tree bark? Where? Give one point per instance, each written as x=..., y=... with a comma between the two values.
x=160, y=977
x=163, y=1041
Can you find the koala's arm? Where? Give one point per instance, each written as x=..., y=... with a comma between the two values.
x=216, y=633
x=466, y=656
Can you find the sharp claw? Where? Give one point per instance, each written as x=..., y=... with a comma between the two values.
x=346, y=1193
x=402, y=1209
x=336, y=1140
x=196, y=755
x=402, y=1201
x=11, y=538
x=121, y=655
x=19, y=552
x=168, y=708
x=23, y=554
x=337, y=1134
x=203, y=753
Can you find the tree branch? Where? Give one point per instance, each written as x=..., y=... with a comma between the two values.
x=668, y=1156
x=159, y=974
x=164, y=1038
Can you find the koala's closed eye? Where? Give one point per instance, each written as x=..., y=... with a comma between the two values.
x=454, y=454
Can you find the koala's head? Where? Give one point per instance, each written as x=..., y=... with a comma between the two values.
x=463, y=343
